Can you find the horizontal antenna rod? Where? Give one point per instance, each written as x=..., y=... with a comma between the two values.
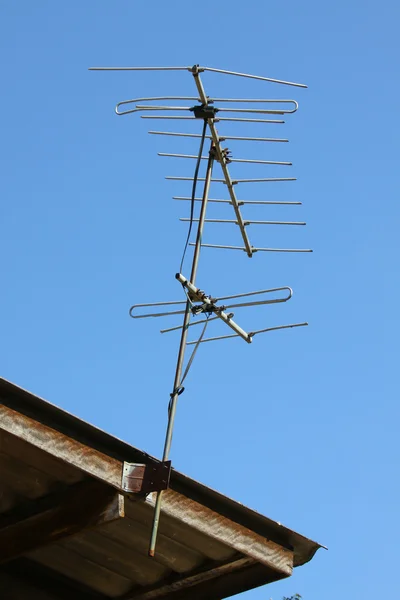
x=235, y=296
x=302, y=85
x=253, y=249
x=234, y=181
x=231, y=160
x=261, y=111
x=225, y=337
x=258, y=292
x=161, y=314
x=256, y=110
x=221, y=139
x=190, y=324
x=216, y=118
x=212, y=100
x=246, y=222
x=257, y=100
x=199, y=69
x=146, y=107
x=140, y=69
x=134, y=100
x=240, y=202
x=172, y=303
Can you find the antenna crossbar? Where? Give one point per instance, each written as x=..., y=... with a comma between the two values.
x=261, y=111
x=217, y=119
x=225, y=337
x=220, y=139
x=199, y=69
x=146, y=107
x=234, y=181
x=246, y=222
x=240, y=202
x=236, y=305
x=254, y=249
x=231, y=160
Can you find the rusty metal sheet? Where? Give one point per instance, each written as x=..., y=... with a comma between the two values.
x=143, y=479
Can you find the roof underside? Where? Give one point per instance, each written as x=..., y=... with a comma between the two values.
x=67, y=526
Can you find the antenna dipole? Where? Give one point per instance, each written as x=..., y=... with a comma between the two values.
x=197, y=301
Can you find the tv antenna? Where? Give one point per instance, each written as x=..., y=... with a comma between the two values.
x=209, y=111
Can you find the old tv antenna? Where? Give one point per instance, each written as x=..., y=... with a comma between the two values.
x=200, y=307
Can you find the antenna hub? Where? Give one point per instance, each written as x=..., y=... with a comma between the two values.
x=204, y=111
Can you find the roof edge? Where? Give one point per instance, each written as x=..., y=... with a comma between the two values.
x=53, y=416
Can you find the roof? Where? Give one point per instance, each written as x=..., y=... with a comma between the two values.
x=68, y=524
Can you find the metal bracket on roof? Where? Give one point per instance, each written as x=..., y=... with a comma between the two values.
x=143, y=479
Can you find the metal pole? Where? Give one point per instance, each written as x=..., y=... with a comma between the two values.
x=222, y=160
x=182, y=347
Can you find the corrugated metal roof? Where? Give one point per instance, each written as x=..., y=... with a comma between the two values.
x=209, y=546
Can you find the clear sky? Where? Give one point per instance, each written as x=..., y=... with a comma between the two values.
x=303, y=425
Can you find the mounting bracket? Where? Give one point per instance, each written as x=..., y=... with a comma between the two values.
x=204, y=111
x=143, y=479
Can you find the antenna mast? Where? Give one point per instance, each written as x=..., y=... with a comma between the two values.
x=197, y=301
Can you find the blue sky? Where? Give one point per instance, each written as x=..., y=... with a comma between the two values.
x=302, y=425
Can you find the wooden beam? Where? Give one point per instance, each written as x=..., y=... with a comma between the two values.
x=222, y=529
x=180, y=508
x=191, y=581
x=223, y=580
x=56, y=516
x=25, y=577
x=92, y=462
x=19, y=589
